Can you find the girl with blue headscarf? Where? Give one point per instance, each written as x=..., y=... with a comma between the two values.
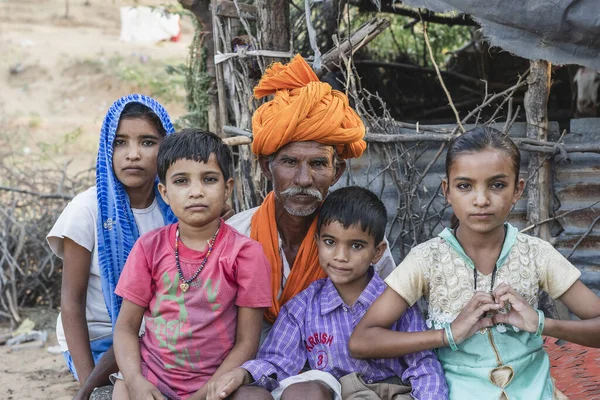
x=96, y=231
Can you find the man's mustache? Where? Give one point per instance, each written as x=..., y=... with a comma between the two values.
x=295, y=191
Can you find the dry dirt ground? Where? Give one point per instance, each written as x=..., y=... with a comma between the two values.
x=72, y=69
x=35, y=373
x=68, y=72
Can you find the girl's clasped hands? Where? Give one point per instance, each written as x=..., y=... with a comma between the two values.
x=503, y=306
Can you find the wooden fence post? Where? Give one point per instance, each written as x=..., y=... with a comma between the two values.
x=536, y=110
x=539, y=186
x=202, y=12
x=273, y=26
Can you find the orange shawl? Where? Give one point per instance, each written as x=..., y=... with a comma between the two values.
x=306, y=268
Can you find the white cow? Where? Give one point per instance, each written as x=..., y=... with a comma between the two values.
x=588, y=84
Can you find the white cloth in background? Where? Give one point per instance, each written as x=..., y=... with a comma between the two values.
x=148, y=24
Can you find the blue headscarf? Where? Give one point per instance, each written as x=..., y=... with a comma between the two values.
x=117, y=230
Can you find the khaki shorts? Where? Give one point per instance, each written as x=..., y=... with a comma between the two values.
x=350, y=387
x=355, y=388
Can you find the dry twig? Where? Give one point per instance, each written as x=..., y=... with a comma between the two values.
x=437, y=71
x=557, y=217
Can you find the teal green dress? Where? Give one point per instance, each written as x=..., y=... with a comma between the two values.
x=501, y=362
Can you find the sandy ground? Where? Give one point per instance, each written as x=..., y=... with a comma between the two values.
x=71, y=70
x=35, y=373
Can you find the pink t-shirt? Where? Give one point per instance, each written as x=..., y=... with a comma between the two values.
x=188, y=335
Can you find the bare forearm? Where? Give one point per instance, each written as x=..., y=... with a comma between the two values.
x=127, y=352
x=100, y=374
x=586, y=332
x=78, y=339
x=391, y=344
x=236, y=357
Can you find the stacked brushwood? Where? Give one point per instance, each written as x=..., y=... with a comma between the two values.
x=33, y=192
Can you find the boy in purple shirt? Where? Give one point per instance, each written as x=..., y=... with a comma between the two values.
x=315, y=326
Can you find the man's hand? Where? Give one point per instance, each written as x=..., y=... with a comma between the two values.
x=227, y=384
x=140, y=389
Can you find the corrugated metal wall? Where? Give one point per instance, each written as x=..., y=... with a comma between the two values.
x=576, y=185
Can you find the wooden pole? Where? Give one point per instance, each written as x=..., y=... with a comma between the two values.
x=273, y=22
x=536, y=106
x=539, y=187
x=221, y=95
x=201, y=10
x=359, y=38
x=273, y=26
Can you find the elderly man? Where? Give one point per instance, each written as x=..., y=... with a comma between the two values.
x=302, y=138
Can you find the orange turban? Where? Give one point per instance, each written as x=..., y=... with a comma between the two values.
x=304, y=109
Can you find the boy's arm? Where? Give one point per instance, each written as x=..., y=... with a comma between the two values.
x=247, y=336
x=424, y=371
x=127, y=351
x=282, y=354
x=76, y=275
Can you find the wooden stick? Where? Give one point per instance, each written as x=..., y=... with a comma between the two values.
x=527, y=144
x=232, y=130
x=429, y=16
x=228, y=9
x=587, y=232
x=237, y=140
x=417, y=68
x=437, y=71
x=507, y=92
x=536, y=105
x=363, y=35
x=37, y=194
x=558, y=217
x=533, y=145
x=222, y=121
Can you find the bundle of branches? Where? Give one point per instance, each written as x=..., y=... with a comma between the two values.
x=33, y=192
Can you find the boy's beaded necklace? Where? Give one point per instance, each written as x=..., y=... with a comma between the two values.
x=185, y=283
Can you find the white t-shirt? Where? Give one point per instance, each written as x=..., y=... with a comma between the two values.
x=78, y=223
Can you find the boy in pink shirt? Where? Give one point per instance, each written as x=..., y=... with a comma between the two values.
x=194, y=282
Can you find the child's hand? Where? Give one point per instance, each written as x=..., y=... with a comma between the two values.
x=227, y=384
x=140, y=389
x=473, y=317
x=521, y=314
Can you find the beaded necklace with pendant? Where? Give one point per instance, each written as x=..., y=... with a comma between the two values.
x=185, y=283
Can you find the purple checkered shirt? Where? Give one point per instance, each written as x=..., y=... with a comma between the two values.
x=316, y=325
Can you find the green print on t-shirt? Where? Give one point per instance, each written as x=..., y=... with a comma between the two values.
x=168, y=332
x=211, y=293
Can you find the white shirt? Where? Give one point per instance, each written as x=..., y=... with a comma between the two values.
x=78, y=223
x=242, y=222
